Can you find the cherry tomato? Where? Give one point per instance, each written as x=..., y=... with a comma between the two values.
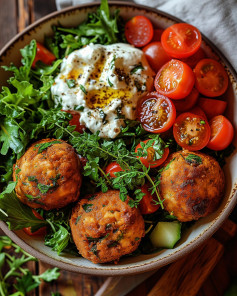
x=156, y=112
x=148, y=161
x=188, y=102
x=41, y=231
x=191, y=131
x=198, y=111
x=211, y=78
x=181, y=40
x=147, y=204
x=212, y=107
x=157, y=35
x=43, y=55
x=175, y=80
x=222, y=133
x=139, y=31
x=112, y=168
x=76, y=121
x=156, y=55
x=195, y=58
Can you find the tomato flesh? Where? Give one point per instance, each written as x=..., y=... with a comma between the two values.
x=139, y=31
x=41, y=231
x=191, y=131
x=147, y=204
x=80, y=128
x=222, y=133
x=212, y=107
x=175, y=80
x=188, y=102
x=148, y=161
x=211, y=78
x=195, y=58
x=181, y=40
x=156, y=55
x=112, y=168
x=157, y=35
x=156, y=112
x=43, y=55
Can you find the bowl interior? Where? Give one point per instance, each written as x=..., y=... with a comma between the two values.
x=196, y=234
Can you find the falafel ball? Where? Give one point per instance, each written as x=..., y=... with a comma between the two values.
x=191, y=184
x=48, y=175
x=104, y=227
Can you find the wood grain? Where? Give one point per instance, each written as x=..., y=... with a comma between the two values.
x=70, y=284
x=8, y=20
x=186, y=276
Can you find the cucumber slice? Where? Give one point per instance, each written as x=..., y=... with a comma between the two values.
x=166, y=234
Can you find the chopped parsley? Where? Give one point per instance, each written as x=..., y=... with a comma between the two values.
x=71, y=83
x=110, y=83
x=112, y=65
x=87, y=207
x=79, y=108
x=83, y=89
x=136, y=68
x=78, y=218
x=193, y=159
x=44, y=146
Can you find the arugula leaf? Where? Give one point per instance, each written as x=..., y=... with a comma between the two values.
x=17, y=214
x=26, y=283
x=28, y=54
x=58, y=240
x=49, y=275
x=11, y=136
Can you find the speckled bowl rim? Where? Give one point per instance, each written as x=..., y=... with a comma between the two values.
x=155, y=263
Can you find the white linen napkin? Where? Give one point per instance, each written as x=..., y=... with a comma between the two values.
x=217, y=20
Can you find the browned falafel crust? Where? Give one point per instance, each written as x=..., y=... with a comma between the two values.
x=104, y=227
x=191, y=189
x=48, y=175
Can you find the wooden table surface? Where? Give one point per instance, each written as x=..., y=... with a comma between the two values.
x=208, y=271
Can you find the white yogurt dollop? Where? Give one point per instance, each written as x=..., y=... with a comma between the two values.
x=103, y=82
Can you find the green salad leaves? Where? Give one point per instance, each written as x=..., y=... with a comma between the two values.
x=13, y=266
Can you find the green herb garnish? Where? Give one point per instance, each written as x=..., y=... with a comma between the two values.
x=136, y=68
x=71, y=83
x=83, y=88
x=44, y=146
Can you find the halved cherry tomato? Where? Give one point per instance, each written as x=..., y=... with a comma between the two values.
x=157, y=35
x=139, y=31
x=175, y=80
x=211, y=78
x=156, y=55
x=191, y=131
x=212, y=107
x=181, y=40
x=41, y=231
x=156, y=112
x=195, y=58
x=43, y=55
x=76, y=121
x=222, y=133
x=147, y=204
x=112, y=168
x=198, y=111
x=188, y=102
x=151, y=160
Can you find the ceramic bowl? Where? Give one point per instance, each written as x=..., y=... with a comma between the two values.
x=202, y=229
